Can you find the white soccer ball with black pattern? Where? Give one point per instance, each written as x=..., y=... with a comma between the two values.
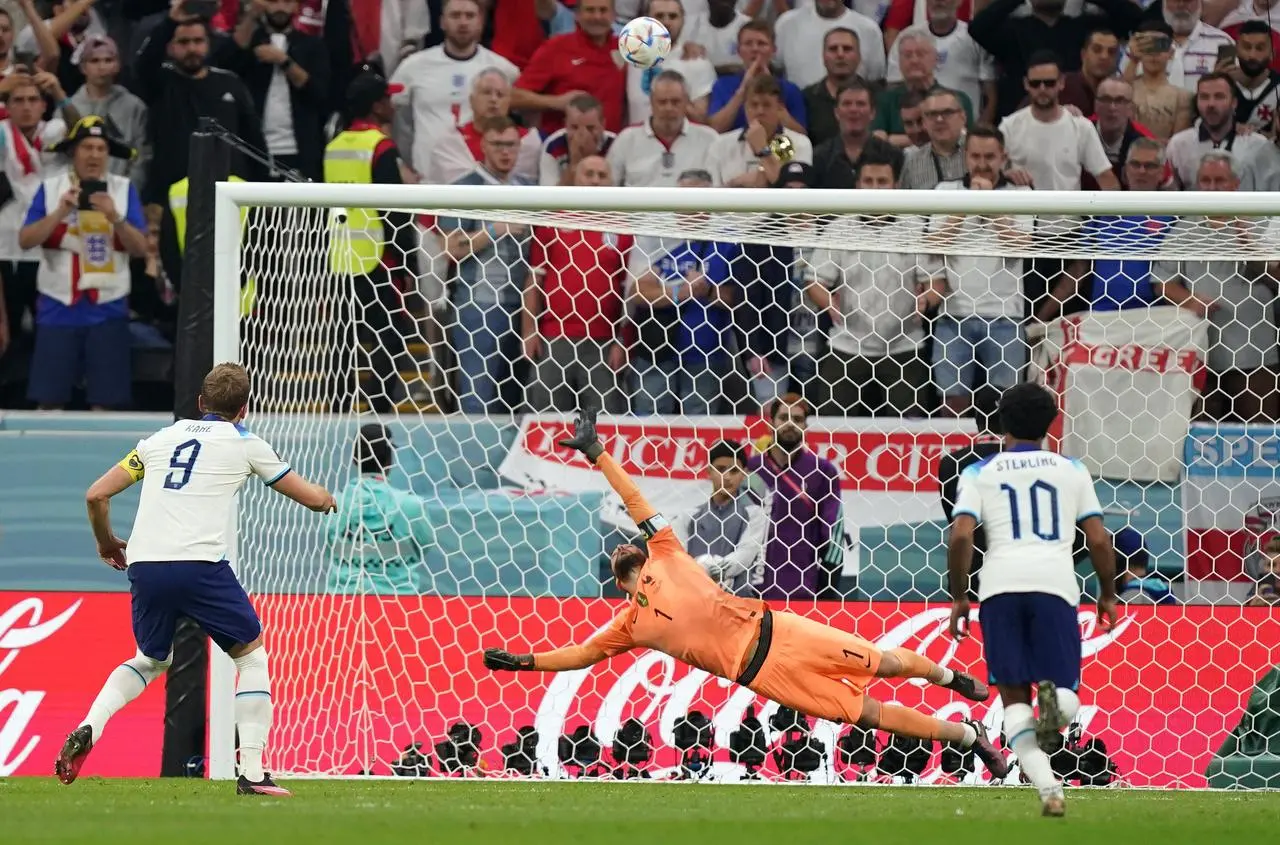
x=644, y=43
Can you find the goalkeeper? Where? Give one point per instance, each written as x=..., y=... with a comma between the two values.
x=677, y=609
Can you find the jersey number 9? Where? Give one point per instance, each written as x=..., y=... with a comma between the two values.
x=1041, y=495
x=181, y=463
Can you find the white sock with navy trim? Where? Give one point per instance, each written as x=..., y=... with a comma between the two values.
x=253, y=711
x=1020, y=731
x=125, y=683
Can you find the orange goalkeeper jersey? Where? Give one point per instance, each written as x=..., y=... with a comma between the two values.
x=680, y=611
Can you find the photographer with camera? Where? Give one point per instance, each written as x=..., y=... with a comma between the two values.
x=89, y=223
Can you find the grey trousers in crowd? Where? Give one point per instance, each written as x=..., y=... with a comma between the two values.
x=570, y=372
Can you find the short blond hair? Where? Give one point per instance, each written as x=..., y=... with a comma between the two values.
x=225, y=390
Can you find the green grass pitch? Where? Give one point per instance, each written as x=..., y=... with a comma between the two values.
x=353, y=812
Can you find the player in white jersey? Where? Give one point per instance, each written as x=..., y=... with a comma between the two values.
x=176, y=558
x=1029, y=501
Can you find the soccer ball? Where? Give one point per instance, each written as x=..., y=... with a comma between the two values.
x=644, y=43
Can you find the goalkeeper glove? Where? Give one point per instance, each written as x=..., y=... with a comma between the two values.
x=584, y=437
x=501, y=660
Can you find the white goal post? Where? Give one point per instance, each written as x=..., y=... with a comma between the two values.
x=1150, y=449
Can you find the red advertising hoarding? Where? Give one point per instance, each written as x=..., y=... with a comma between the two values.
x=356, y=679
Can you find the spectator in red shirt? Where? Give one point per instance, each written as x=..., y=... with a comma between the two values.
x=573, y=315
x=582, y=62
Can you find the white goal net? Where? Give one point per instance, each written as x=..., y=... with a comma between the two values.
x=783, y=373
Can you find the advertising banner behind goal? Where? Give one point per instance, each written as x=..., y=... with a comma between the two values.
x=1162, y=691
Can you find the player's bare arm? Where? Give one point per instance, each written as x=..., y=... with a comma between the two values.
x=1103, y=555
x=311, y=496
x=114, y=481
x=959, y=560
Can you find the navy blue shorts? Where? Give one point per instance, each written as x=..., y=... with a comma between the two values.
x=101, y=355
x=206, y=592
x=1031, y=637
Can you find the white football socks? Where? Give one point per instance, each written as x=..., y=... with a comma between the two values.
x=125, y=683
x=253, y=711
x=1020, y=731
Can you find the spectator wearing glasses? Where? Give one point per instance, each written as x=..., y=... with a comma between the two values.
x=698, y=73
x=802, y=29
x=1048, y=141
x=1238, y=298
x=962, y=65
x=836, y=161
x=666, y=144
x=841, y=56
x=1159, y=105
x=1097, y=62
x=942, y=158
x=1252, y=153
x=919, y=59
x=1116, y=128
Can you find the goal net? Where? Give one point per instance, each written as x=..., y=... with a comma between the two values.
x=467, y=325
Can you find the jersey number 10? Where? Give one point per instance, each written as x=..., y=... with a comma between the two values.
x=1042, y=496
x=181, y=463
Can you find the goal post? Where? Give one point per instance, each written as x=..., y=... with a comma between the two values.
x=372, y=658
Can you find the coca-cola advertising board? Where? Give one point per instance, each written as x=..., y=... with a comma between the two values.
x=358, y=679
x=889, y=470
x=56, y=649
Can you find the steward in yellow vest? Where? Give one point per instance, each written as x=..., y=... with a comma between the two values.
x=178, y=192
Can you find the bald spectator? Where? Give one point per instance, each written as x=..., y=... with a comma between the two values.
x=1162, y=107
x=801, y=29
x=745, y=159
x=583, y=135
x=942, y=158
x=1195, y=44
x=962, y=65
x=1116, y=128
x=564, y=67
x=437, y=82
x=1237, y=297
x=1048, y=141
x=1216, y=130
x=841, y=56
x=667, y=144
x=573, y=320
x=837, y=160
x=756, y=48
x=458, y=151
x=699, y=74
x=1012, y=40
x=918, y=58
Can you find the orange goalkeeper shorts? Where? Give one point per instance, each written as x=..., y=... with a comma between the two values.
x=816, y=669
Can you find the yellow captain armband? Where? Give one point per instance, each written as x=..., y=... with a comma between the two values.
x=132, y=464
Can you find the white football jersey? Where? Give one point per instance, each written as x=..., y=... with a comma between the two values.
x=1029, y=502
x=191, y=472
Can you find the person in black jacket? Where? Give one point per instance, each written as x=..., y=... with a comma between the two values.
x=275, y=60
x=989, y=442
x=174, y=79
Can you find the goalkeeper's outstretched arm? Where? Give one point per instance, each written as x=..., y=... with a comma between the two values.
x=560, y=660
x=585, y=441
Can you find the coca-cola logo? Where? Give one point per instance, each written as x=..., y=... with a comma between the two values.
x=654, y=690
x=20, y=628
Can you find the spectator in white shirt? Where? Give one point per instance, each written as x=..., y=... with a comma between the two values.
x=977, y=338
x=1195, y=43
x=459, y=151
x=1254, y=154
x=667, y=144
x=436, y=82
x=1048, y=141
x=699, y=74
x=962, y=65
x=744, y=159
x=717, y=32
x=583, y=135
x=801, y=30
